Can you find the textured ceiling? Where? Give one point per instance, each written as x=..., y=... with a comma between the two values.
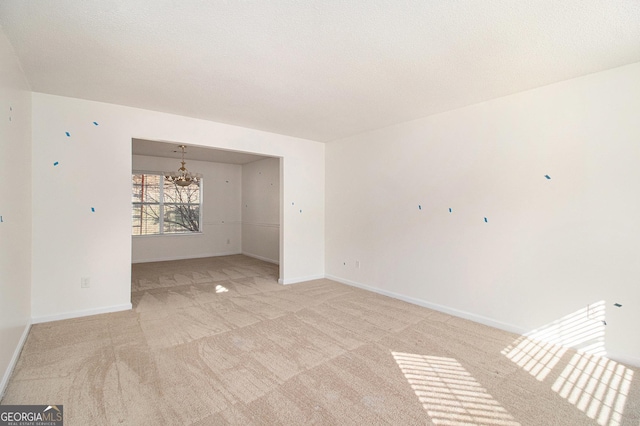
x=320, y=70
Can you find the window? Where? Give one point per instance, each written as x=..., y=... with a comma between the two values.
x=162, y=207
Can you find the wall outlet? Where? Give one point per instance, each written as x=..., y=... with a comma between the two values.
x=85, y=282
x=358, y=264
x=228, y=240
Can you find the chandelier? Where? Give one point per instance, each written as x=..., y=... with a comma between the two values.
x=183, y=177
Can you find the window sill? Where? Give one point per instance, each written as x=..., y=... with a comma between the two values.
x=181, y=234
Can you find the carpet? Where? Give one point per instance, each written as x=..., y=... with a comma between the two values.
x=218, y=341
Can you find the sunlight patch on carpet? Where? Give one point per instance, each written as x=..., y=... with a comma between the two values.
x=597, y=386
x=449, y=393
x=539, y=351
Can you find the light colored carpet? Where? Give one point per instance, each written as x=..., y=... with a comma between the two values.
x=218, y=341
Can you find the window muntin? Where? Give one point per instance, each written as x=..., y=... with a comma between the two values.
x=162, y=207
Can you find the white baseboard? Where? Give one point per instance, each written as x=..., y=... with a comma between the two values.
x=301, y=279
x=628, y=360
x=83, y=313
x=633, y=361
x=14, y=359
x=197, y=256
x=440, y=308
x=265, y=259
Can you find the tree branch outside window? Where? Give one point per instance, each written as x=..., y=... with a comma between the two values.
x=162, y=207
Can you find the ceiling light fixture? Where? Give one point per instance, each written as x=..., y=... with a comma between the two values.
x=183, y=177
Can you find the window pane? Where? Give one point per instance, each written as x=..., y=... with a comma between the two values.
x=152, y=194
x=146, y=188
x=181, y=218
x=181, y=194
x=146, y=219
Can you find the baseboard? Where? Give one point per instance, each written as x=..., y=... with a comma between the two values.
x=301, y=279
x=633, y=361
x=83, y=313
x=440, y=308
x=14, y=360
x=196, y=256
x=265, y=259
x=623, y=359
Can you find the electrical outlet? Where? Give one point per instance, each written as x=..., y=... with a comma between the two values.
x=85, y=282
x=228, y=240
x=358, y=264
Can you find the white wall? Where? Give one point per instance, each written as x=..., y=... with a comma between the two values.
x=15, y=209
x=95, y=162
x=221, y=214
x=549, y=248
x=261, y=209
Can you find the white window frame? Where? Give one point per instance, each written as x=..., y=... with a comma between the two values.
x=161, y=204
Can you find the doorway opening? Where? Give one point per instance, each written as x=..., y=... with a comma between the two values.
x=240, y=205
